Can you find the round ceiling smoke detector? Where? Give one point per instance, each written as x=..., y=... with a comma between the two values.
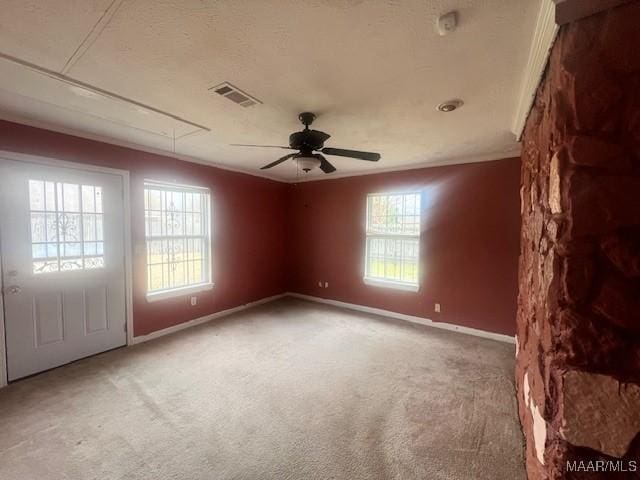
x=450, y=105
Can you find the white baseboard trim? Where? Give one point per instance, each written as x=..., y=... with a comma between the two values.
x=206, y=318
x=361, y=308
x=408, y=318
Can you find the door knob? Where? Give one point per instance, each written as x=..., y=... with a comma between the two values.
x=13, y=289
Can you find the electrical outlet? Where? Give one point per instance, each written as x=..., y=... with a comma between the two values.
x=326, y=284
x=194, y=301
x=320, y=284
x=437, y=307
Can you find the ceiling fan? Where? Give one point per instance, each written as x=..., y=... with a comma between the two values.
x=306, y=142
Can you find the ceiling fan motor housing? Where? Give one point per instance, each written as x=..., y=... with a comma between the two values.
x=308, y=140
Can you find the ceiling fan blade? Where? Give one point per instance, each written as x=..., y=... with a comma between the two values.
x=280, y=160
x=340, y=152
x=263, y=146
x=325, y=166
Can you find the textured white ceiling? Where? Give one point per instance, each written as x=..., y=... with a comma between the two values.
x=373, y=71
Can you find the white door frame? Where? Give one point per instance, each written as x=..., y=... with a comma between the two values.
x=127, y=242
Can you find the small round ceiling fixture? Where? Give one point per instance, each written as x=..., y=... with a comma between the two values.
x=450, y=105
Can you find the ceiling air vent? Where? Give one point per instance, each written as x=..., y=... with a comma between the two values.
x=235, y=94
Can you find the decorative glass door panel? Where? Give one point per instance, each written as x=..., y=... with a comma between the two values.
x=66, y=226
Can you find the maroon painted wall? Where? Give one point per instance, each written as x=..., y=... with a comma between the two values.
x=269, y=236
x=468, y=251
x=248, y=222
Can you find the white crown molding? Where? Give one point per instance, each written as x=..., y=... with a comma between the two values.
x=543, y=37
x=408, y=318
x=133, y=146
x=485, y=157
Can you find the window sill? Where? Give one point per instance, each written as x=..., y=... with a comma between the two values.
x=178, y=292
x=376, y=282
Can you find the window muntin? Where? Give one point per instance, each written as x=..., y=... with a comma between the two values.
x=66, y=226
x=393, y=238
x=177, y=230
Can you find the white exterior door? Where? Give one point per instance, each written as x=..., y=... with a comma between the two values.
x=62, y=245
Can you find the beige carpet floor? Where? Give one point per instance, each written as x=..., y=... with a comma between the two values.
x=286, y=390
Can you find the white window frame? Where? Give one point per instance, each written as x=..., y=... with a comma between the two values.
x=156, y=295
x=380, y=282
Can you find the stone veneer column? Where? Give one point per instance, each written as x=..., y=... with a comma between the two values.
x=578, y=340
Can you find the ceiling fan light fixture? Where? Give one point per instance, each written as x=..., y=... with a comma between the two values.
x=307, y=163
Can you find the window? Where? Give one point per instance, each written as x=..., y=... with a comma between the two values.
x=393, y=237
x=177, y=226
x=66, y=226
